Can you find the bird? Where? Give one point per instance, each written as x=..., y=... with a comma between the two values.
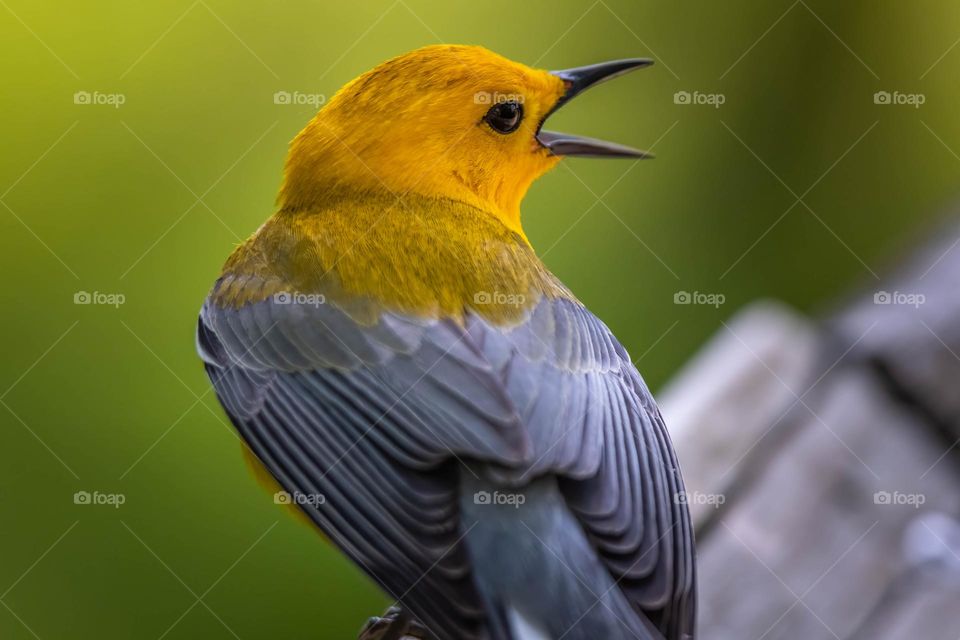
x=398, y=359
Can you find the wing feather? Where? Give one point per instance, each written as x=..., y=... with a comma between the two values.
x=378, y=417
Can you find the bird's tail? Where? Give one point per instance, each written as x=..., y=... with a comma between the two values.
x=540, y=577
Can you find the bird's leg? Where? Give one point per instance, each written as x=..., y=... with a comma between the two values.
x=395, y=624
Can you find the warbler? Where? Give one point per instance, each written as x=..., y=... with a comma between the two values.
x=434, y=399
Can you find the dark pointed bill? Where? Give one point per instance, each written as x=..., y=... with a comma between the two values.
x=578, y=80
x=565, y=144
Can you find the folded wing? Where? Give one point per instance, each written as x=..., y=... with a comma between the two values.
x=377, y=418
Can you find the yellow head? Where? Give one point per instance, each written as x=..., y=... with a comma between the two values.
x=455, y=122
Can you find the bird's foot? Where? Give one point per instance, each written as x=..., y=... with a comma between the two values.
x=395, y=624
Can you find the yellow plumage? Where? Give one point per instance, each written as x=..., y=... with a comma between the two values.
x=367, y=258
x=364, y=200
x=414, y=125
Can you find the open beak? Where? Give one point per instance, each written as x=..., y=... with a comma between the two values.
x=578, y=80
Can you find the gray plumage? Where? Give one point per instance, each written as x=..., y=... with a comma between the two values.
x=400, y=423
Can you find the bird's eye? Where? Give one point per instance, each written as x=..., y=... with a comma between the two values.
x=504, y=117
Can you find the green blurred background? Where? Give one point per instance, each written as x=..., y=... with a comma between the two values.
x=146, y=200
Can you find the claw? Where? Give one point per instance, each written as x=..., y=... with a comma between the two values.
x=395, y=624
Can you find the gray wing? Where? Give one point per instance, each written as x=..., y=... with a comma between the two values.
x=372, y=419
x=377, y=418
x=593, y=421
